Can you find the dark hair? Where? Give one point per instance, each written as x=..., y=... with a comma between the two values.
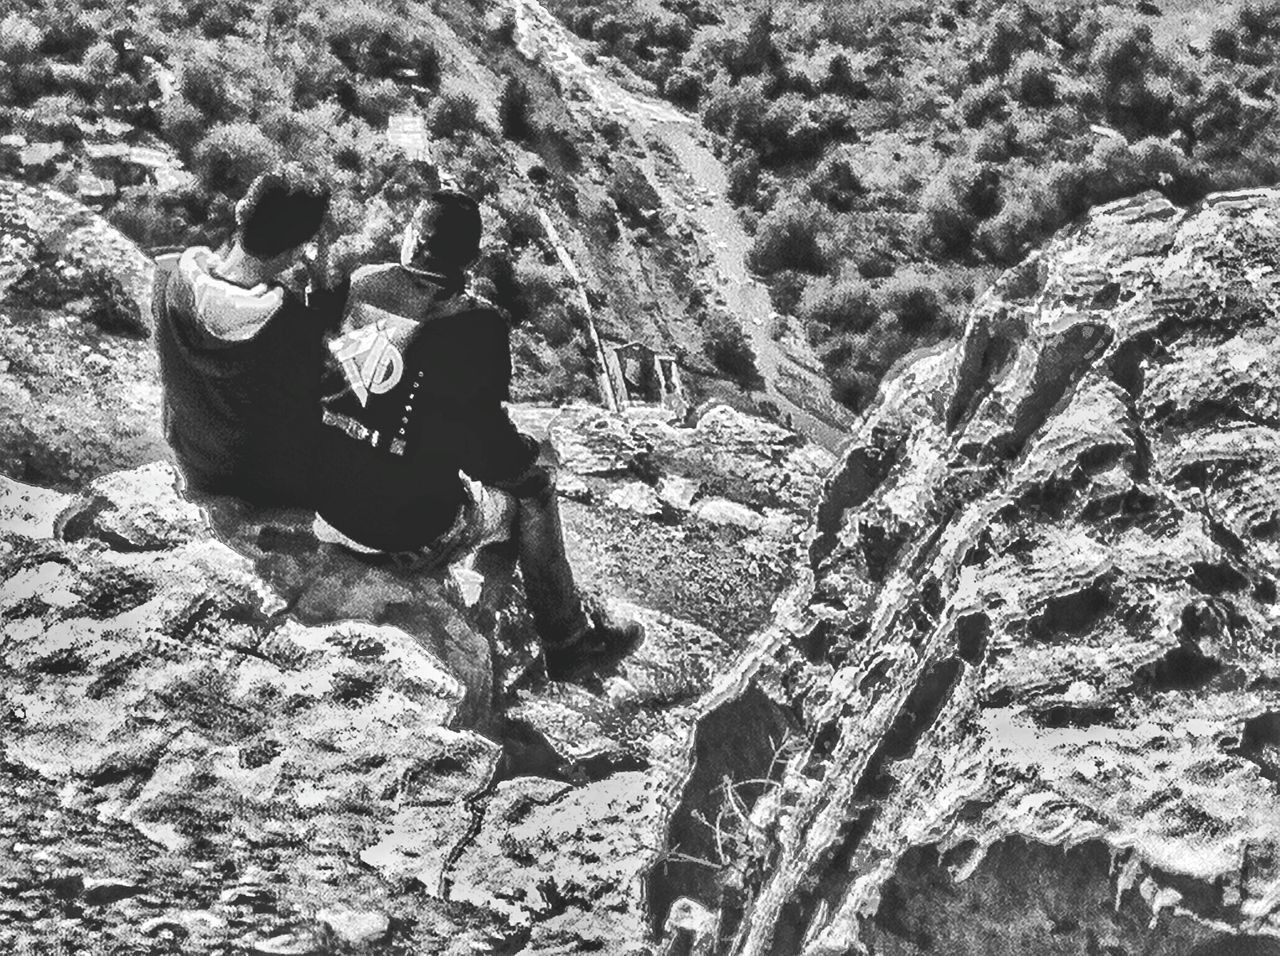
x=448, y=227
x=282, y=209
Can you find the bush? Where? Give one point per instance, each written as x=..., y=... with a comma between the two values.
x=202, y=81
x=1011, y=31
x=790, y=237
x=514, y=106
x=729, y=349
x=501, y=25
x=838, y=305
x=836, y=182
x=984, y=103
x=744, y=180
x=232, y=156
x=960, y=195
x=99, y=64
x=142, y=215
x=454, y=111
x=1032, y=81
x=917, y=300
x=19, y=40
x=182, y=124
x=683, y=87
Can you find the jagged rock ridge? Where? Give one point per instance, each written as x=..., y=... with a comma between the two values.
x=1025, y=694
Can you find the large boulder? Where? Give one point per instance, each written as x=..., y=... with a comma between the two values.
x=79, y=392
x=1026, y=694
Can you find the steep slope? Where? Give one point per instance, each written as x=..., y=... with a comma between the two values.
x=689, y=187
x=1025, y=695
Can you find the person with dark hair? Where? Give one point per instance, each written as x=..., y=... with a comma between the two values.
x=241, y=353
x=420, y=462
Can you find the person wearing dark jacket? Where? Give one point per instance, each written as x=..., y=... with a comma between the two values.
x=418, y=456
x=240, y=353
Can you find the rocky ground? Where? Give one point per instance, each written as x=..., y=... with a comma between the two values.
x=1020, y=692
x=221, y=737
x=1026, y=694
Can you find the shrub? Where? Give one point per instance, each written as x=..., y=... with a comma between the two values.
x=182, y=124
x=729, y=350
x=99, y=64
x=790, y=237
x=838, y=305
x=683, y=87
x=1032, y=80
x=19, y=40
x=1011, y=31
x=514, y=106
x=962, y=193
x=984, y=103
x=376, y=100
x=142, y=215
x=917, y=300
x=454, y=111
x=836, y=182
x=202, y=81
x=67, y=36
x=501, y=25
x=1024, y=219
x=1224, y=43
x=232, y=156
x=744, y=180
x=55, y=115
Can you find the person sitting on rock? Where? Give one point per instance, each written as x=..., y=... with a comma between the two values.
x=241, y=353
x=420, y=461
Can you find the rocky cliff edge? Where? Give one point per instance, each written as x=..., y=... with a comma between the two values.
x=1026, y=696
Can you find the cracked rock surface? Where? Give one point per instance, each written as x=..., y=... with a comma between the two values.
x=1026, y=694
x=218, y=736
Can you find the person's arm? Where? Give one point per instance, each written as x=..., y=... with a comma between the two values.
x=497, y=453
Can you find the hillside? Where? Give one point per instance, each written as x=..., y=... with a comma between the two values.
x=159, y=114
x=1024, y=693
x=895, y=156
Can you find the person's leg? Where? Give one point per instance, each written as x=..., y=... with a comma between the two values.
x=550, y=590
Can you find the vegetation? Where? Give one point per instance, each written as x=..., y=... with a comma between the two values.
x=896, y=153
x=232, y=87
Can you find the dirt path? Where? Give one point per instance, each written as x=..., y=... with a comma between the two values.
x=692, y=181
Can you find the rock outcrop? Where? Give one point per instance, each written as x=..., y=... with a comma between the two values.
x=219, y=733
x=78, y=390
x=1025, y=696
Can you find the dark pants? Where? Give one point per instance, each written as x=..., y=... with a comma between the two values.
x=538, y=546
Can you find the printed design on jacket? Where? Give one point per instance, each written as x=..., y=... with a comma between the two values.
x=370, y=355
x=367, y=361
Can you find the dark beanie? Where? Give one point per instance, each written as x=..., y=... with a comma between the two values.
x=282, y=210
x=448, y=228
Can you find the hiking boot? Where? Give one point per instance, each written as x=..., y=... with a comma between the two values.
x=606, y=640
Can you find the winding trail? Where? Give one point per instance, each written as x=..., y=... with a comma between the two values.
x=693, y=182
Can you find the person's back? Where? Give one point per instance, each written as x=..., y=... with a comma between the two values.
x=413, y=398
x=240, y=355
x=412, y=394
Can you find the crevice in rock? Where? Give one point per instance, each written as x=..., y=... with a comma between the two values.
x=1260, y=743
x=1072, y=613
x=863, y=470
x=1060, y=364
x=743, y=741
x=917, y=715
x=1210, y=577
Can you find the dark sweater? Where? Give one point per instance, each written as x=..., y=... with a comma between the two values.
x=241, y=416
x=413, y=392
